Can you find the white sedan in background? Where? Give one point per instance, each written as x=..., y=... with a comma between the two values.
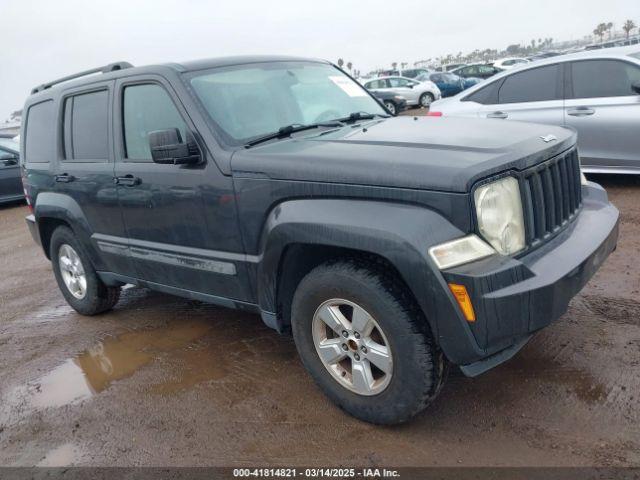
x=508, y=63
x=416, y=93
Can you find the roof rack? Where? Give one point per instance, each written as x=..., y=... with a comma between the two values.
x=112, y=67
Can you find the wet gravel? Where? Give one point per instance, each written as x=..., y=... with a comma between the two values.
x=166, y=381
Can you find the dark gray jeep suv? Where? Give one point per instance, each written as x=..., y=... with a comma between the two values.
x=391, y=247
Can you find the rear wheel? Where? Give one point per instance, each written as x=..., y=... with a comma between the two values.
x=390, y=106
x=76, y=277
x=426, y=99
x=364, y=343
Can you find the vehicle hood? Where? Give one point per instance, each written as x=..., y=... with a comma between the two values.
x=434, y=153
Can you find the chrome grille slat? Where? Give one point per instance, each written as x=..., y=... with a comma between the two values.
x=552, y=195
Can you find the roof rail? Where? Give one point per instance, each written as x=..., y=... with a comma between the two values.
x=112, y=67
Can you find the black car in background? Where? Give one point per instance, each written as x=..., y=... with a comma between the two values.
x=392, y=102
x=478, y=70
x=10, y=182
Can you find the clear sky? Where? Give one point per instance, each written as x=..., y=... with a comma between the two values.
x=42, y=40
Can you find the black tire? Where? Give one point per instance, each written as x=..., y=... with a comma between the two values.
x=426, y=99
x=419, y=370
x=98, y=297
x=391, y=107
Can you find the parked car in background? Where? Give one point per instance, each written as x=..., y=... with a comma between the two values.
x=10, y=180
x=452, y=66
x=599, y=98
x=408, y=73
x=478, y=70
x=393, y=102
x=448, y=83
x=508, y=63
x=416, y=93
x=543, y=55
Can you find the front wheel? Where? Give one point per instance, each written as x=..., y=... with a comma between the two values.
x=390, y=106
x=426, y=99
x=364, y=342
x=76, y=277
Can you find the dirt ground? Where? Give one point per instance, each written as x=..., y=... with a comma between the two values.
x=166, y=381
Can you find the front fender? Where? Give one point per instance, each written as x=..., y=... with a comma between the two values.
x=400, y=233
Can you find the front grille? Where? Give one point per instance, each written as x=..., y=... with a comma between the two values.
x=552, y=195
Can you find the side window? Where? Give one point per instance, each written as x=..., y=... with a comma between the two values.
x=397, y=82
x=535, y=85
x=147, y=108
x=86, y=127
x=486, y=70
x=603, y=78
x=487, y=95
x=40, y=133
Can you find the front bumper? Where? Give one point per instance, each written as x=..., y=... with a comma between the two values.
x=514, y=297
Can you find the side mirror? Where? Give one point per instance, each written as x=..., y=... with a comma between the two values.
x=167, y=147
x=8, y=159
x=635, y=86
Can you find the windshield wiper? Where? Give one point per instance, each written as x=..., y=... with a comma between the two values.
x=287, y=130
x=355, y=116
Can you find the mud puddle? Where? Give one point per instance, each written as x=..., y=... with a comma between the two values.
x=190, y=351
x=95, y=369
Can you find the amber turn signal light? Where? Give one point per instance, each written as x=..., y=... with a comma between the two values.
x=463, y=299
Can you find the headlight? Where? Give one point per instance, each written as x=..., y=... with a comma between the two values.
x=499, y=213
x=459, y=251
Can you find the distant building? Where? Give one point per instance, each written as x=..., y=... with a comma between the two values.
x=12, y=124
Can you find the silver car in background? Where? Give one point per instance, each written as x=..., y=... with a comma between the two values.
x=416, y=93
x=597, y=93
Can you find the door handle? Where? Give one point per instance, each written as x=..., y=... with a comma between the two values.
x=497, y=115
x=127, y=181
x=65, y=178
x=580, y=111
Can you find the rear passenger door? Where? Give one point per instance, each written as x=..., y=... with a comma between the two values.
x=84, y=170
x=533, y=95
x=605, y=111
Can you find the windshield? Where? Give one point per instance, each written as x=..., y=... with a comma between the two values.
x=248, y=101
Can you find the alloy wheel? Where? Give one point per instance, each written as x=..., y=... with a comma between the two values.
x=352, y=346
x=72, y=271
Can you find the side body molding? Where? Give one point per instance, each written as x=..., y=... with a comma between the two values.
x=400, y=233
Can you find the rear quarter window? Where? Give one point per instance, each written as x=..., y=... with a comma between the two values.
x=40, y=133
x=487, y=95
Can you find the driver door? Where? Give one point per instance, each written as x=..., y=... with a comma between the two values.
x=180, y=219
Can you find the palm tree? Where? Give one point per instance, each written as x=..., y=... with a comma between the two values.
x=608, y=27
x=627, y=27
x=394, y=65
x=349, y=65
x=340, y=62
x=599, y=30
